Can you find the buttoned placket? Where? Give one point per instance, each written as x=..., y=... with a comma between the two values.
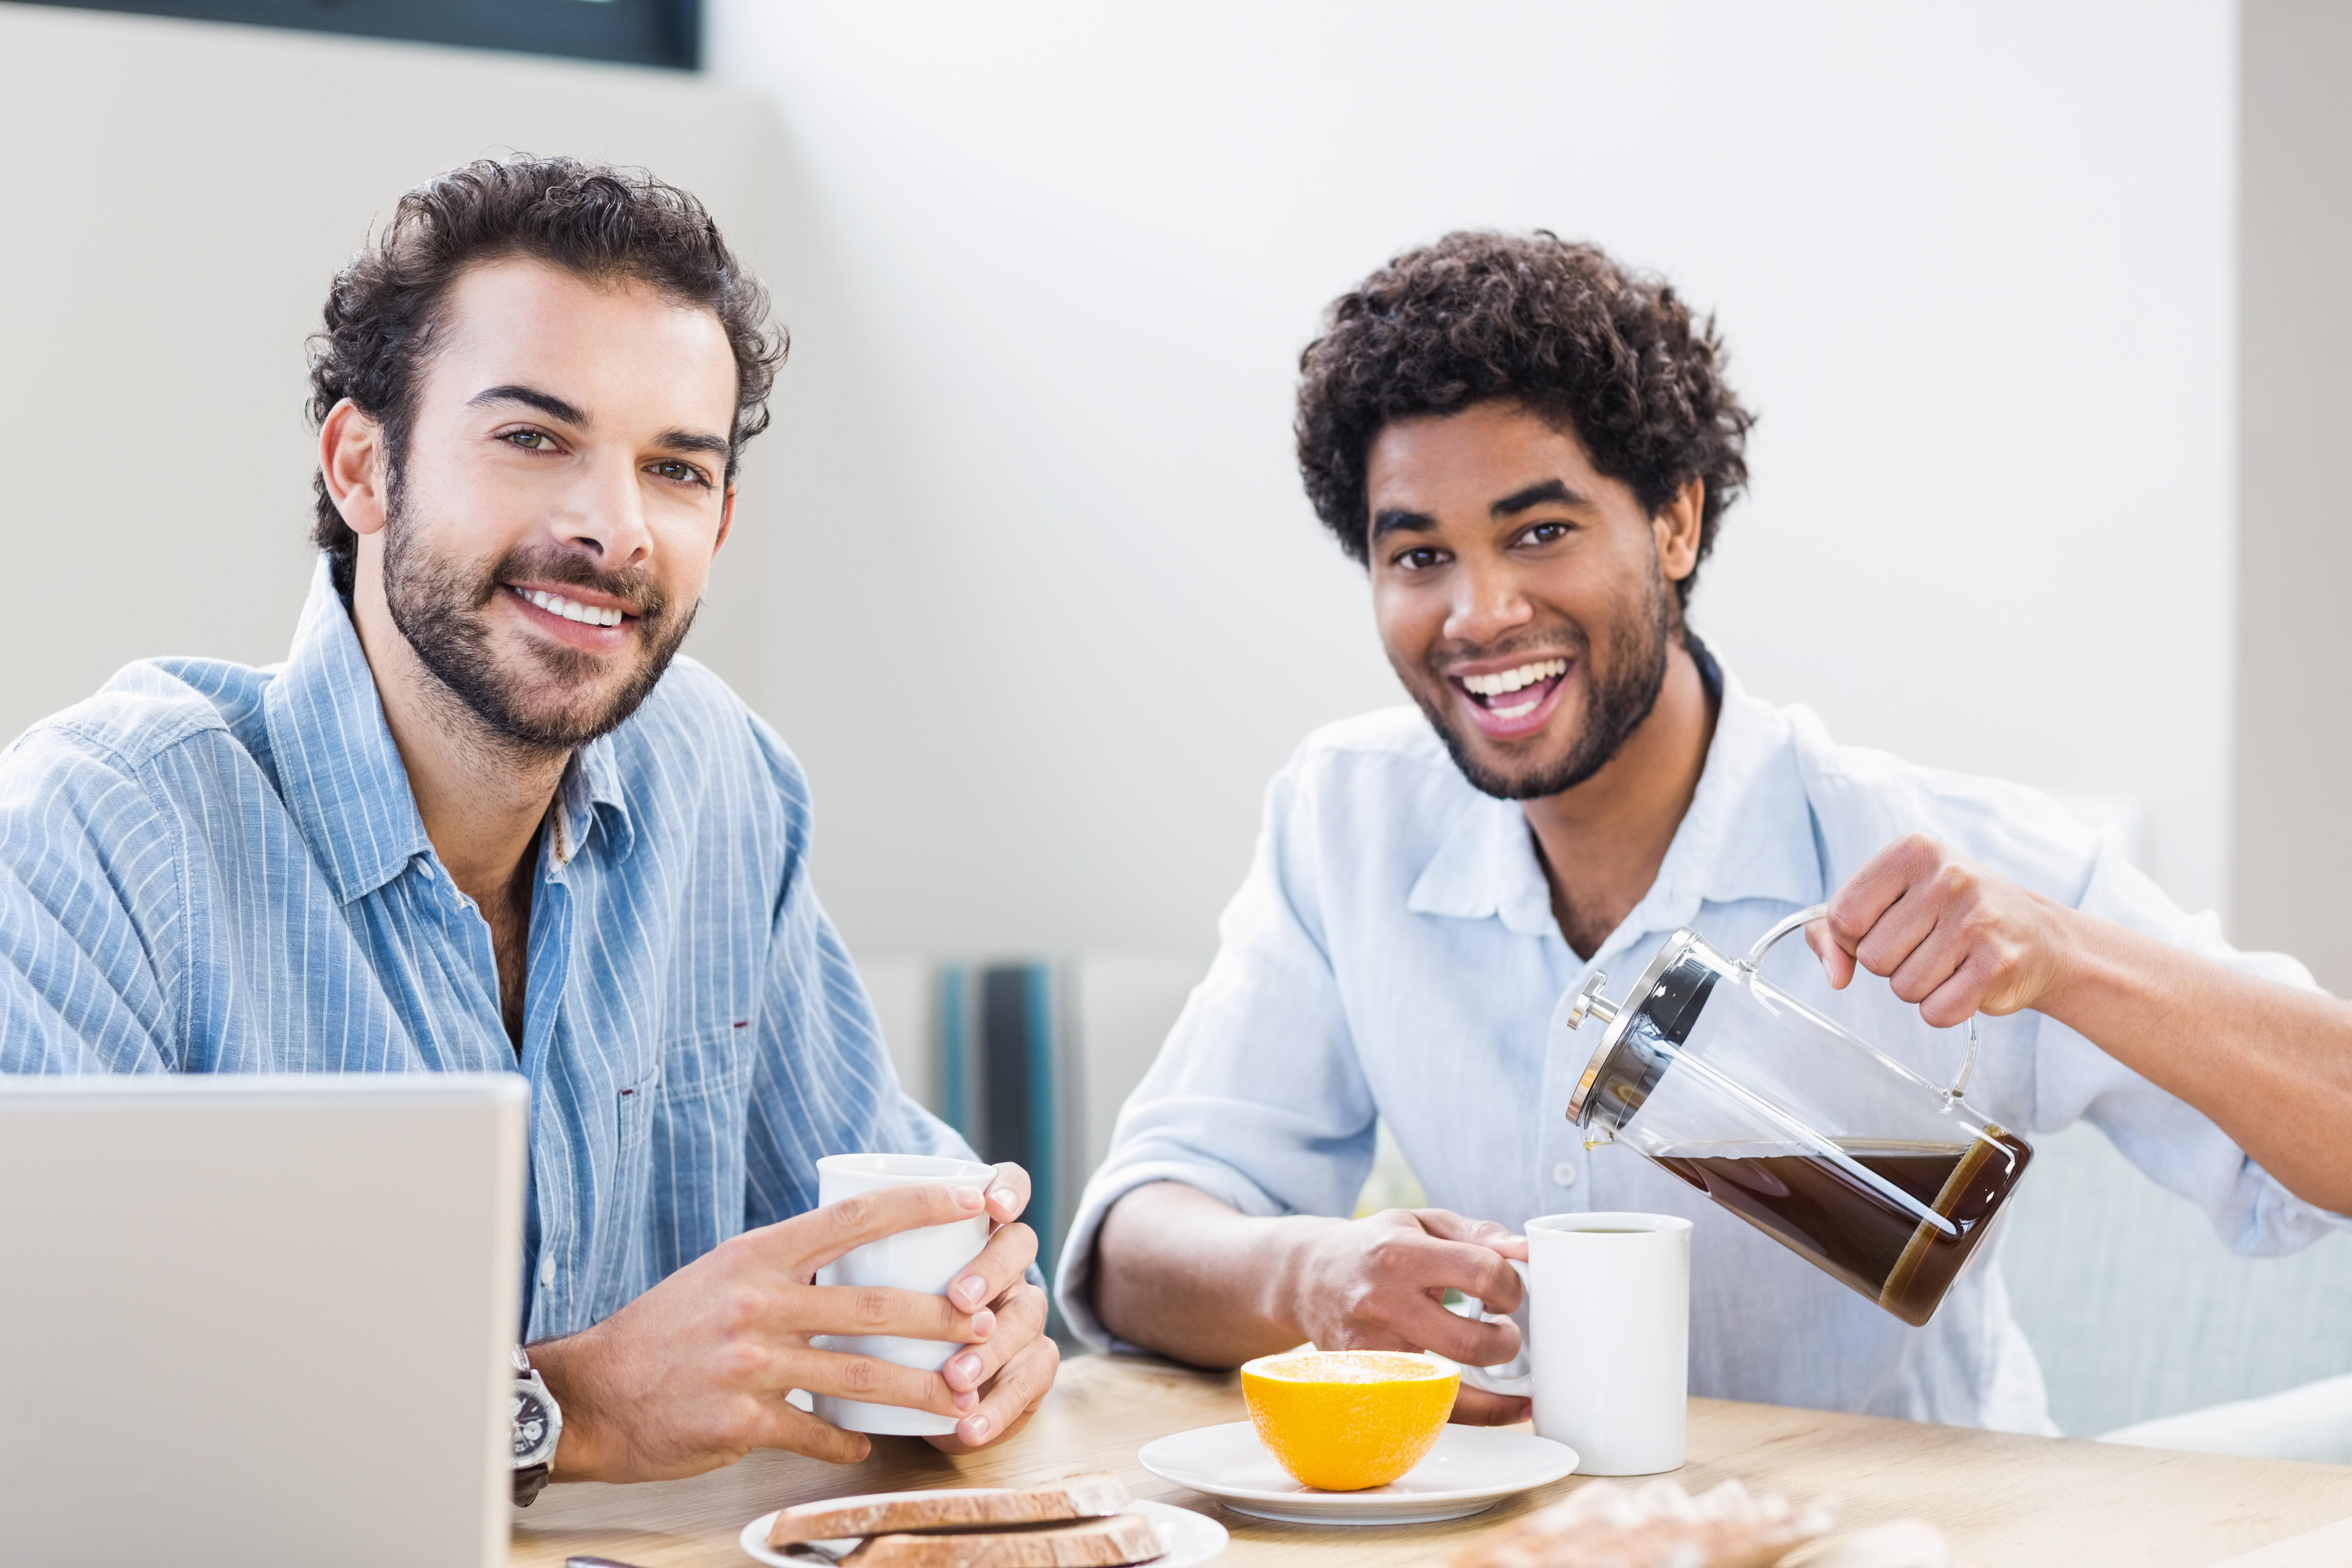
x=547, y=974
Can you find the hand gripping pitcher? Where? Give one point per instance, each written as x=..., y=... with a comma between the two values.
x=1808, y=1133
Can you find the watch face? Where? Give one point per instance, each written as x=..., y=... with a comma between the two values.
x=529, y=1424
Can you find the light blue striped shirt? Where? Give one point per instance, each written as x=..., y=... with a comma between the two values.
x=207, y=868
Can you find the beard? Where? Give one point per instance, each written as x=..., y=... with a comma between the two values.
x=570, y=698
x=1619, y=694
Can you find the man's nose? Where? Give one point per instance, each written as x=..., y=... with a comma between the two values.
x=605, y=513
x=1487, y=602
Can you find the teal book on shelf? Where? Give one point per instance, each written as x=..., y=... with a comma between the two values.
x=1007, y=1081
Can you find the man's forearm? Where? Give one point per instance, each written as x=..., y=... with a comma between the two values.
x=1179, y=1272
x=2271, y=1065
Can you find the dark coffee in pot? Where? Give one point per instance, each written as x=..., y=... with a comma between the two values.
x=1822, y=1211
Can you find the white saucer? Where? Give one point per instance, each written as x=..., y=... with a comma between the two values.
x=1471, y=1469
x=1190, y=1537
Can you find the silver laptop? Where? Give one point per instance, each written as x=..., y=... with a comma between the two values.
x=255, y=1320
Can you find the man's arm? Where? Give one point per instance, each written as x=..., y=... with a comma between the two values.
x=696, y=1372
x=2269, y=1063
x=1180, y=1272
x=93, y=912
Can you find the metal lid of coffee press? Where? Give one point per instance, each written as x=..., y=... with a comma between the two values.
x=1627, y=1064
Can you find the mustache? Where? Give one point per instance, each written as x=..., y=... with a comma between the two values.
x=635, y=589
x=1568, y=642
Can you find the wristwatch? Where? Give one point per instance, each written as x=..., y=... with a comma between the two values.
x=537, y=1425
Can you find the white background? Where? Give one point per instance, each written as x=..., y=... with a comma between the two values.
x=1067, y=609
x=1024, y=572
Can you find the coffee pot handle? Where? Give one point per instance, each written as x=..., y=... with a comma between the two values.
x=1764, y=943
x=1806, y=917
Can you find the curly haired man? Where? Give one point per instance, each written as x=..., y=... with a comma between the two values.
x=1530, y=449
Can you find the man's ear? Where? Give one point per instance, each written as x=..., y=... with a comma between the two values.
x=351, y=460
x=1676, y=529
x=726, y=520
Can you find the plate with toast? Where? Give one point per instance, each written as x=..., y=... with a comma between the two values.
x=1079, y=1522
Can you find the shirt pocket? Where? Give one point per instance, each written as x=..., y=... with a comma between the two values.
x=696, y=1143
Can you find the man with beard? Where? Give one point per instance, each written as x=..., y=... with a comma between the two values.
x=483, y=819
x=1531, y=449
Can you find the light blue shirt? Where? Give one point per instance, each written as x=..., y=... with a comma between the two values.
x=1393, y=954
x=208, y=867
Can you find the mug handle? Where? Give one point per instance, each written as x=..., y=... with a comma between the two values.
x=1502, y=1379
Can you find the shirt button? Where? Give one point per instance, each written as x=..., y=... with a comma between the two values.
x=1564, y=1173
x=547, y=1271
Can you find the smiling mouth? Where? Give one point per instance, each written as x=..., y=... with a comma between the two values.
x=569, y=609
x=1514, y=694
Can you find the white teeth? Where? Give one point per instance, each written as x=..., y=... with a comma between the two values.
x=1521, y=711
x=1509, y=680
x=586, y=615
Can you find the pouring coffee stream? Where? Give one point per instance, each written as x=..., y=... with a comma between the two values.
x=1883, y=1180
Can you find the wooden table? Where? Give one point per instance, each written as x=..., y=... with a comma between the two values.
x=2003, y=1499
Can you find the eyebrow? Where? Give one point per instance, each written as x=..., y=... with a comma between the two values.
x=1536, y=495
x=692, y=441
x=1396, y=521
x=547, y=403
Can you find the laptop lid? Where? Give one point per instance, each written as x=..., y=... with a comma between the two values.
x=258, y=1320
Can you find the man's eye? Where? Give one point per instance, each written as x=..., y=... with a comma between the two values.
x=1546, y=533
x=1419, y=559
x=684, y=473
x=530, y=441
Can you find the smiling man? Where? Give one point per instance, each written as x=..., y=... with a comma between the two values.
x=1531, y=450
x=485, y=818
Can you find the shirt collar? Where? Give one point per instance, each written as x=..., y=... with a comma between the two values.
x=590, y=797
x=1748, y=834
x=338, y=771
x=342, y=779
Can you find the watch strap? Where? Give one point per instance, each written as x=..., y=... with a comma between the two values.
x=529, y=1481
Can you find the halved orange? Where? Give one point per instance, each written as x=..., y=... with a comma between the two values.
x=1344, y=1420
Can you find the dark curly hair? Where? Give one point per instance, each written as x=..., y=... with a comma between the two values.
x=1610, y=354
x=591, y=219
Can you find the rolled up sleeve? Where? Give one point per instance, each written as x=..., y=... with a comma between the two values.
x=2173, y=1143
x=1257, y=1098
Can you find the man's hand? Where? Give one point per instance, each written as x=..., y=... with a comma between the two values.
x=1379, y=1283
x=999, y=1382
x=693, y=1374
x=1951, y=936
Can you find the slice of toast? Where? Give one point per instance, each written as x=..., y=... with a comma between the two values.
x=1092, y=1544
x=886, y=1513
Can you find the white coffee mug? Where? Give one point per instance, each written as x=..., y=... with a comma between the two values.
x=926, y=1260
x=1604, y=1327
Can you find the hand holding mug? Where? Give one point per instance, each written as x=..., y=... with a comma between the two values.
x=697, y=1371
x=1379, y=1283
x=1606, y=1318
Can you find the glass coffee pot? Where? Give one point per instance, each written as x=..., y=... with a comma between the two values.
x=1857, y=1165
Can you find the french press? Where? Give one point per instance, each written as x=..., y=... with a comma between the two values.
x=1808, y=1132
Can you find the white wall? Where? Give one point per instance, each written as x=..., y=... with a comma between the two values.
x=1050, y=606
x=1023, y=571
x=179, y=195
x=2293, y=841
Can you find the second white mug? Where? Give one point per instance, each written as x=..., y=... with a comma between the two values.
x=1604, y=1331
